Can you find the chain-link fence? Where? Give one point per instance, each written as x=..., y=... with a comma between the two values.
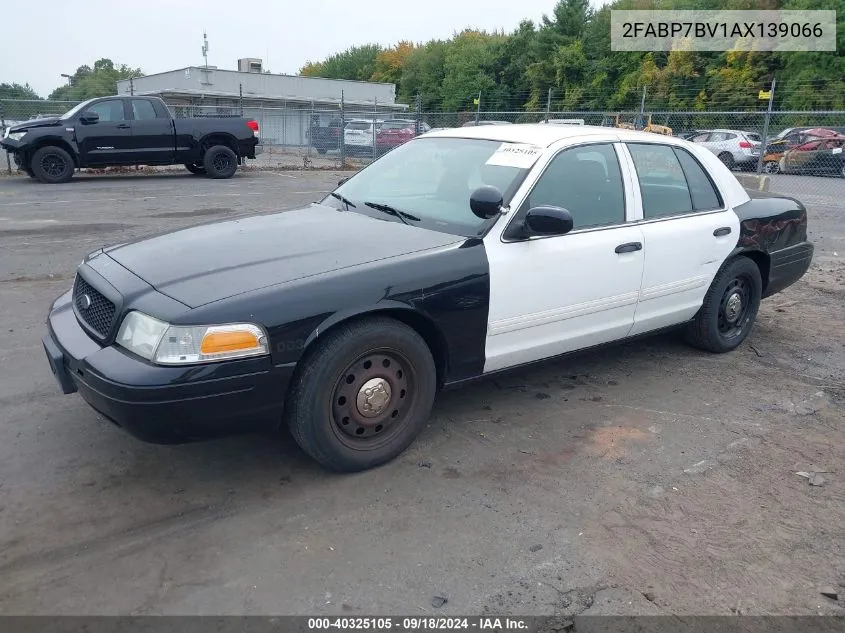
x=303, y=135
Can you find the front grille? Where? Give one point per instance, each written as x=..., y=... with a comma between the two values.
x=96, y=311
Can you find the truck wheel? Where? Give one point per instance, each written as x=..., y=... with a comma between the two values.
x=195, y=169
x=52, y=164
x=363, y=395
x=220, y=162
x=729, y=309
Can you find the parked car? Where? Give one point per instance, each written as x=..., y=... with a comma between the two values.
x=776, y=149
x=359, y=135
x=816, y=157
x=325, y=137
x=563, y=122
x=688, y=134
x=109, y=131
x=473, y=123
x=396, y=132
x=459, y=254
x=735, y=148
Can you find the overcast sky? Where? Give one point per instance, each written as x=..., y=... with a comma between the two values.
x=159, y=35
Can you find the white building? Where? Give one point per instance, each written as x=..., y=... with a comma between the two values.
x=284, y=105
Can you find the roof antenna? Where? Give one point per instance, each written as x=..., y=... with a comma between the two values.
x=205, y=48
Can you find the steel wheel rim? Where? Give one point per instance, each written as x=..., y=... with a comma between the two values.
x=221, y=161
x=735, y=307
x=53, y=165
x=365, y=429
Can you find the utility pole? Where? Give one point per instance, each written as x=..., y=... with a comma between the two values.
x=205, y=48
x=766, y=128
x=478, y=109
x=548, y=104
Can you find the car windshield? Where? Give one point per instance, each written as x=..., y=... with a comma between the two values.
x=76, y=109
x=431, y=179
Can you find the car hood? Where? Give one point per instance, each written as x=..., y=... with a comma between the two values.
x=43, y=122
x=215, y=261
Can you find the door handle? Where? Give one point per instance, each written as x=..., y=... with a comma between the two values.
x=630, y=247
x=122, y=126
x=725, y=230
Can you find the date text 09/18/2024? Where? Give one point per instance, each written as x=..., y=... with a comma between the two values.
x=415, y=623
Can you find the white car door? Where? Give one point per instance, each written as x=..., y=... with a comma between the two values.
x=554, y=294
x=688, y=231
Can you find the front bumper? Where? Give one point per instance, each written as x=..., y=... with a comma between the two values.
x=163, y=405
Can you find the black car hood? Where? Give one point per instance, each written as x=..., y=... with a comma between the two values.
x=214, y=261
x=43, y=122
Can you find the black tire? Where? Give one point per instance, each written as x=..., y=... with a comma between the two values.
x=195, y=169
x=322, y=150
x=727, y=159
x=220, y=161
x=339, y=433
x=771, y=167
x=722, y=324
x=52, y=164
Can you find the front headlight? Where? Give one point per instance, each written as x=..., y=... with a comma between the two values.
x=15, y=136
x=167, y=344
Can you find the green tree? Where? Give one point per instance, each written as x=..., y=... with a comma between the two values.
x=100, y=81
x=17, y=91
x=357, y=62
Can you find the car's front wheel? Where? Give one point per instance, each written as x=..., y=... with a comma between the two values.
x=727, y=159
x=220, y=162
x=52, y=164
x=363, y=394
x=729, y=308
x=771, y=167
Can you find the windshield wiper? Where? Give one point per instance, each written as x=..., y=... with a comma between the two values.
x=378, y=206
x=342, y=199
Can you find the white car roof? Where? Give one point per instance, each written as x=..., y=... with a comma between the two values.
x=547, y=135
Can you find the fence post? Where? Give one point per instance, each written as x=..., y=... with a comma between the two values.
x=765, y=138
x=3, y=124
x=131, y=86
x=241, y=98
x=375, y=116
x=548, y=104
x=419, y=114
x=478, y=110
x=341, y=139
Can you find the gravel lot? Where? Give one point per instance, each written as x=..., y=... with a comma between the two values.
x=645, y=478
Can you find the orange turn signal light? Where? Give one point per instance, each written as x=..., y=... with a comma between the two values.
x=232, y=341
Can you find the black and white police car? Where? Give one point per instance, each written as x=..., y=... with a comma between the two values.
x=461, y=253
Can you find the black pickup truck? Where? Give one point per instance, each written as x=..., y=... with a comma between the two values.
x=110, y=131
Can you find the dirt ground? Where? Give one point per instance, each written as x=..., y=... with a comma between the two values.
x=647, y=478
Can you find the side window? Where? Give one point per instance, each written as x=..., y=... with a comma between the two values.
x=729, y=136
x=587, y=182
x=704, y=195
x=142, y=110
x=662, y=181
x=111, y=110
x=700, y=138
x=718, y=136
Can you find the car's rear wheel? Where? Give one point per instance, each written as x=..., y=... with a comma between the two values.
x=199, y=170
x=729, y=308
x=727, y=159
x=52, y=164
x=771, y=167
x=220, y=162
x=363, y=394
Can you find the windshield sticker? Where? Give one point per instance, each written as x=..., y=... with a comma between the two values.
x=515, y=155
x=836, y=150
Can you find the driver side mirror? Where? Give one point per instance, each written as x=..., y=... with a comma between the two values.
x=545, y=220
x=89, y=117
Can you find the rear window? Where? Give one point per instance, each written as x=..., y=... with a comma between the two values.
x=751, y=136
x=396, y=125
x=358, y=125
